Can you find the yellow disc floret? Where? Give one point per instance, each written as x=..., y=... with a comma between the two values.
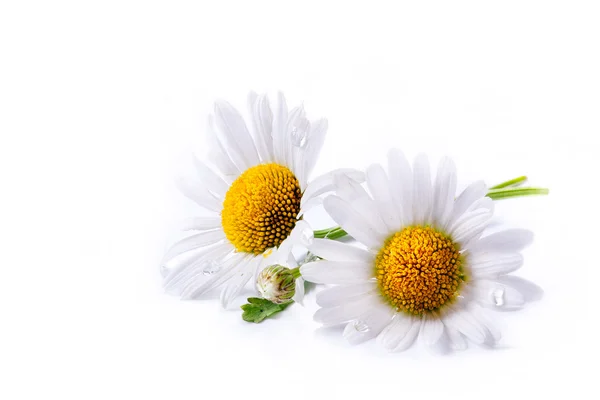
x=261, y=207
x=419, y=270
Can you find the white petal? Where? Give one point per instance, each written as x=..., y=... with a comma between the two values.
x=299, y=135
x=318, y=129
x=237, y=283
x=326, y=183
x=457, y=340
x=280, y=136
x=194, y=268
x=407, y=340
x=298, y=156
x=235, y=135
x=340, y=272
x=528, y=290
x=291, y=262
x=262, y=124
x=266, y=118
x=471, y=194
x=511, y=240
x=470, y=225
x=230, y=267
x=200, y=224
x=229, y=171
x=342, y=294
x=211, y=180
x=500, y=297
x=309, y=205
x=369, y=326
x=493, y=334
x=359, y=200
x=347, y=312
x=422, y=191
x=199, y=195
x=302, y=234
x=491, y=265
x=349, y=190
x=401, y=184
x=352, y=222
x=463, y=322
x=395, y=331
x=431, y=330
x=193, y=242
x=444, y=191
x=298, y=127
x=336, y=251
x=484, y=202
x=299, y=290
x=264, y=263
x=378, y=184
x=183, y=274
x=217, y=154
x=298, y=284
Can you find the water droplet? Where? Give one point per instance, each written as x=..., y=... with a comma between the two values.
x=361, y=326
x=306, y=236
x=498, y=297
x=211, y=267
x=310, y=257
x=300, y=133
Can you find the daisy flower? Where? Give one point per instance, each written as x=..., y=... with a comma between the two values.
x=426, y=270
x=256, y=193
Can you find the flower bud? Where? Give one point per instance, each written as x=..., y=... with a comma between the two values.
x=276, y=283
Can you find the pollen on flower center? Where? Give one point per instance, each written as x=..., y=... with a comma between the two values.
x=419, y=270
x=261, y=207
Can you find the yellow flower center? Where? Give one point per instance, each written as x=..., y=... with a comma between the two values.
x=261, y=207
x=419, y=270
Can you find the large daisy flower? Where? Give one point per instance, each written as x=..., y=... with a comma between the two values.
x=256, y=193
x=426, y=270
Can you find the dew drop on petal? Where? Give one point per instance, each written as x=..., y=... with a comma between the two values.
x=211, y=267
x=299, y=136
x=498, y=297
x=361, y=326
x=310, y=257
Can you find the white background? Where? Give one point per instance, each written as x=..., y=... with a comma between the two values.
x=101, y=104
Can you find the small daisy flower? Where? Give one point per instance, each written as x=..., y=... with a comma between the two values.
x=256, y=194
x=426, y=271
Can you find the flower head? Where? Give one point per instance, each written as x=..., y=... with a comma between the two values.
x=276, y=283
x=426, y=271
x=256, y=192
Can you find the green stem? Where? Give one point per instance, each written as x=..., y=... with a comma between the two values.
x=497, y=194
x=320, y=233
x=296, y=272
x=513, y=182
x=330, y=233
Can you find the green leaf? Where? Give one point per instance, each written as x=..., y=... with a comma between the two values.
x=258, y=309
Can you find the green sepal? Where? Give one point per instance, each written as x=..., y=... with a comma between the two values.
x=258, y=309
